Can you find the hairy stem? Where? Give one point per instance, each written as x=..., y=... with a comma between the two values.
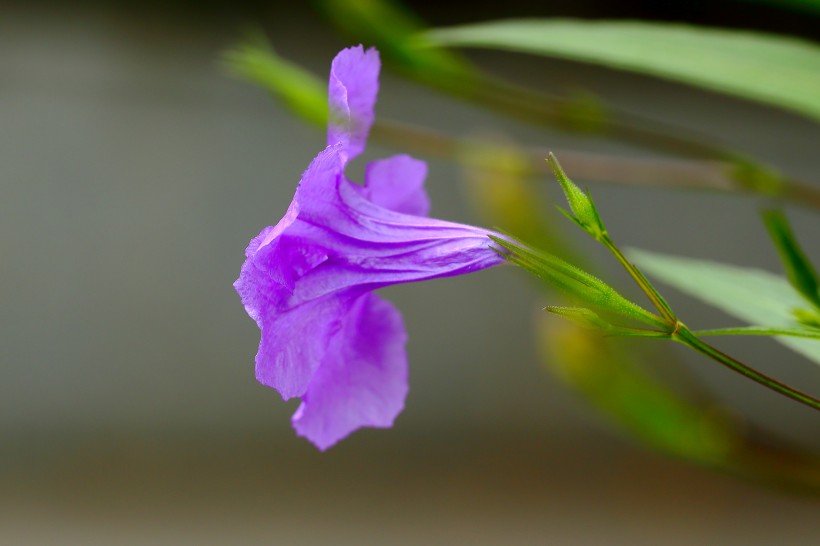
x=566, y=115
x=756, y=331
x=654, y=296
x=704, y=175
x=562, y=113
x=683, y=335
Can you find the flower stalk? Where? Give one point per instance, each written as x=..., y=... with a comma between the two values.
x=585, y=215
x=683, y=335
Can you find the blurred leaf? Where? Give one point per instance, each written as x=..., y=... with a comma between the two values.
x=501, y=185
x=608, y=375
x=776, y=70
x=799, y=270
x=400, y=37
x=301, y=91
x=810, y=6
x=751, y=295
x=389, y=26
x=605, y=372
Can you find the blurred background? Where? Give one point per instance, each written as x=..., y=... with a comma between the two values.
x=133, y=171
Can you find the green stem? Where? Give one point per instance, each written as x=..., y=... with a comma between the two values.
x=557, y=112
x=683, y=335
x=760, y=331
x=642, y=282
x=596, y=167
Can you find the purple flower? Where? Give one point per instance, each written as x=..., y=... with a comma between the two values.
x=309, y=281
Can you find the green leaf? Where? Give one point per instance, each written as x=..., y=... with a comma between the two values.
x=810, y=6
x=390, y=27
x=751, y=295
x=799, y=269
x=776, y=70
x=609, y=377
x=300, y=91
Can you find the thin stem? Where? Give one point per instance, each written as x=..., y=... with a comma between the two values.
x=564, y=114
x=710, y=175
x=685, y=336
x=758, y=331
x=800, y=193
x=642, y=282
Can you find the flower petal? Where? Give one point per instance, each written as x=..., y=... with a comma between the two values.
x=397, y=183
x=293, y=340
x=296, y=341
x=347, y=218
x=254, y=285
x=362, y=381
x=289, y=257
x=412, y=261
x=352, y=90
x=333, y=244
x=308, y=281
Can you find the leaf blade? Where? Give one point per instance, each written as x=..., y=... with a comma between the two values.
x=776, y=70
x=799, y=270
x=752, y=295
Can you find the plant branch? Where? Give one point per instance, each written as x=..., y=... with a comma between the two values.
x=571, y=114
x=683, y=335
x=760, y=331
x=654, y=296
x=704, y=175
x=594, y=119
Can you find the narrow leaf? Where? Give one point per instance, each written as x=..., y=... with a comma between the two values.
x=776, y=70
x=799, y=270
x=809, y=6
x=302, y=92
x=609, y=377
x=394, y=30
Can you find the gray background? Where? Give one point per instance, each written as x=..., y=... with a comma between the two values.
x=133, y=171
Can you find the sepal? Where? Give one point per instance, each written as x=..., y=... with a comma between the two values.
x=586, y=288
